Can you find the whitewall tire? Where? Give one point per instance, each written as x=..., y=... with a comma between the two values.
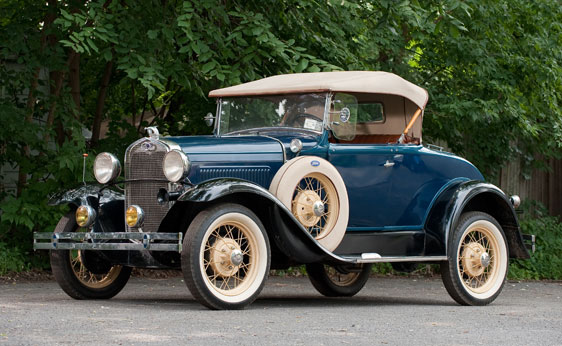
x=478, y=260
x=226, y=257
x=315, y=192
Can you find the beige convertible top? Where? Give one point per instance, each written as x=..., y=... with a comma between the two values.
x=376, y=82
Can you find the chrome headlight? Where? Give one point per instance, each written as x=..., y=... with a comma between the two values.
x=176, y=165
x=106, y=168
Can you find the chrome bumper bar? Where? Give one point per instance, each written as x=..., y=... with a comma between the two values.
x=107, y=241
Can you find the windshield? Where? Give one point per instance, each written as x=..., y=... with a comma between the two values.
x=253, y=112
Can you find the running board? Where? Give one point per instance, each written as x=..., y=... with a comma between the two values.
x=107, y=241
x=376, y=258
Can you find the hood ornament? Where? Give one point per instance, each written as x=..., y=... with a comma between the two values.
x=153, y=132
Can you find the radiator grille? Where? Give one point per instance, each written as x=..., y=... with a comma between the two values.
x=143, y=161
x=259, y=175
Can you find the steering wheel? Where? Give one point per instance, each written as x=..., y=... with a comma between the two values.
x=300, y=118
x=306, y=115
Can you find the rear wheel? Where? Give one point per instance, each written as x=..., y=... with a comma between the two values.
x=84, y=274
x=478, y=260
x=226, y=257
x=338, y=281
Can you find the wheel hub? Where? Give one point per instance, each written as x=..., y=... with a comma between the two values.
x=226, y=257
x=308, y=207
x=475, y=259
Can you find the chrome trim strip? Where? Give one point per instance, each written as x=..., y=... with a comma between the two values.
x=327, y=107
x=358, y=259
x=218, y=118
x=281, y=144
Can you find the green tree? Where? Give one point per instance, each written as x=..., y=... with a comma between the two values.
x=492, y=69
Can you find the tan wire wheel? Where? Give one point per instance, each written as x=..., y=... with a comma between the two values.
x=341, y=278
x=315, y=204
x=315, y=193
x=85, y=274
x=233, y=257
x=478, y=263
x=338, y=281
x=86, y=277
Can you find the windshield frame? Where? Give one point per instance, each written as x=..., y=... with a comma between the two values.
x=325, y=118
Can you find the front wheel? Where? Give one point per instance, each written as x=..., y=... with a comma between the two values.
x=478, y=260
x=226, y=257
x=84, y=274
x=338, y=281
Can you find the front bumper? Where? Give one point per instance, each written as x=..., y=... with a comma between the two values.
x=108, y=241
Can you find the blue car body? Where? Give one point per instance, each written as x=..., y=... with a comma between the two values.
x=328, y=176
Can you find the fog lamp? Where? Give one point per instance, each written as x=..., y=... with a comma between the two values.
x=85, y=216
x=134, y=216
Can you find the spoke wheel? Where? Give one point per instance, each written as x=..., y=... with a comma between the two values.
x=84, y=274
x=315, y=193
x=87, y=277
x=477, y=266
x=338, y=281
x=226, y=257
x=315, y=204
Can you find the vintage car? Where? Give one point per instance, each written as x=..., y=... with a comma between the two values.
x=322, y=169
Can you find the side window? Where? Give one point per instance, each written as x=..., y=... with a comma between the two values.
x=370, y=113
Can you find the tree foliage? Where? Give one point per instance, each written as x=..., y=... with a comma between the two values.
x=492, y=69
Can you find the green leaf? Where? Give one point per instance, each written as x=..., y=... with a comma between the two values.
x=152, y=34
x=208, y=66
x=92, y=44
x=107, y=55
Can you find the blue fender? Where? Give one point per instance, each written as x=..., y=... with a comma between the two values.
x=466, y=196
x=289, y=236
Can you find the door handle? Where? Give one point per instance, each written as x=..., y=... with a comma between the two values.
x=388, y=164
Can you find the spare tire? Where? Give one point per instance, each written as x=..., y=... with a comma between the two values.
x=315, y=192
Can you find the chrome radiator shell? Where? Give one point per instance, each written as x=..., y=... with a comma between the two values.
x=144, y=176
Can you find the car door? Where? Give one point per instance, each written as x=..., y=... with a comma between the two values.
x=368, y=183
x=381, y=187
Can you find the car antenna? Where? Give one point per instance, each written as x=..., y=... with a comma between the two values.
x=84, y=169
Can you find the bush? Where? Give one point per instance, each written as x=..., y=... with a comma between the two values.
x=546, y=262
x=12, y=259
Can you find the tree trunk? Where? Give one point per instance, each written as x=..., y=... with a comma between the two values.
x=31, y=98
x=74, y=82
x=98, y=116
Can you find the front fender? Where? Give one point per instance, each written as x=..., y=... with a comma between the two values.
x=289, y=235
x=85, y=195
x=109, y=205
x=471, y=196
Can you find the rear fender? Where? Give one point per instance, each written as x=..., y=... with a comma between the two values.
x=471, y=196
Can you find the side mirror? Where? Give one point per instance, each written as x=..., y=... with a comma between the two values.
x=345, y=114
x=209, y=119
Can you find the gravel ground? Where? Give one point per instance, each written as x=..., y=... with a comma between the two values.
x=394, y=311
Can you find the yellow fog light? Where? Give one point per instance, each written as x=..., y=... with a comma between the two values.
x=134, y=216
x=85, y=216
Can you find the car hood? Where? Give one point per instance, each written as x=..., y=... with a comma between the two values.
x=252, y=158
